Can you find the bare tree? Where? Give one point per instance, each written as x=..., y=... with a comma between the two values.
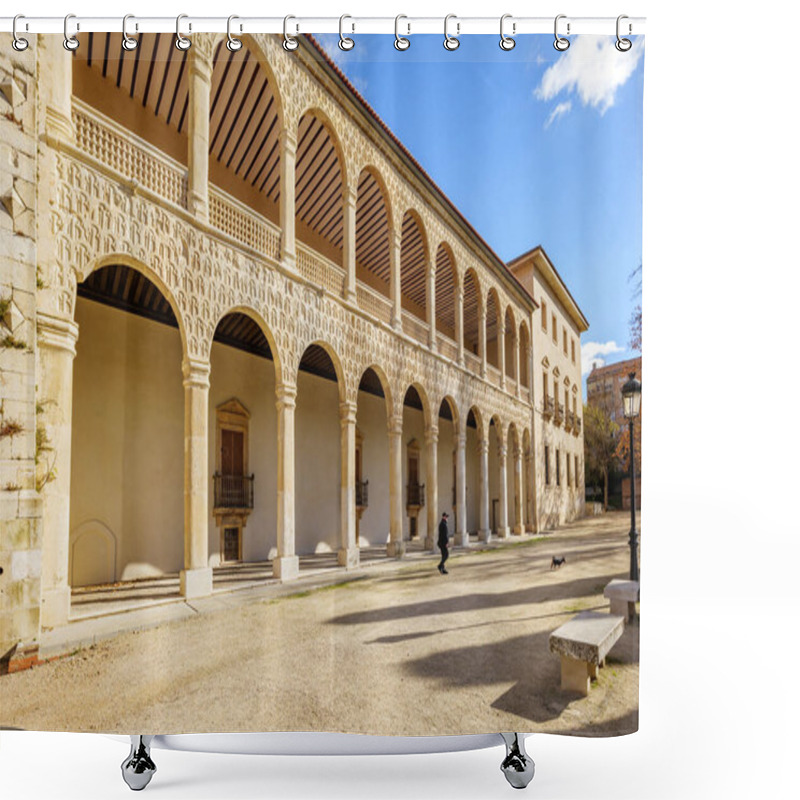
x=600, y=441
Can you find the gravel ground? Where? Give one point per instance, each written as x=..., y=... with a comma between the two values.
x=407, y=653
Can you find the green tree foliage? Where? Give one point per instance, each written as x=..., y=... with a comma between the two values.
x=600, y=440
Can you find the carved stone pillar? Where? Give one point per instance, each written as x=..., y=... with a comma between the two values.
x=529, y=526
x=516, y=364
x=432, y=482
x=485, y=532
x=287, y=565
x=395, y=243
x=55, y=86
x=461, y=537
x=460, y=323
x=397, y=546
x=348, y=551
x=502, y=524
x=519, y=500
x=57, y=339
x=349, y=243
x=200, y=69
x=288, y=145
x=196, y=576
x=482, y=337
x=501, y=347
x=431, y=300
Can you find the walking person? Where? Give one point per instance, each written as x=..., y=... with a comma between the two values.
x=443, y=537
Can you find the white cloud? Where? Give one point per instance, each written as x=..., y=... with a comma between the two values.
x=592, y=68
x=592, y=353
x=558, y=111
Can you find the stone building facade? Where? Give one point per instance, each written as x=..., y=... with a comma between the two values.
x=251, y=328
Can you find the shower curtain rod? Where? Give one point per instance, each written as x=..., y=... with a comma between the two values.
x=405, y=25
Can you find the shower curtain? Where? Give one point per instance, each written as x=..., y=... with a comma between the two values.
x=312, y=371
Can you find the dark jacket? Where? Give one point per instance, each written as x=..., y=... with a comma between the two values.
x=442, y=534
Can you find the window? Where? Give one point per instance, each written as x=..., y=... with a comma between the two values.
x=546, y=386
x=558, y=468
x=564, y=330
x=569, y=471
x=547, y=465
x=555, y=329
x=544, y=316
x=573, y=351
x=576, y=471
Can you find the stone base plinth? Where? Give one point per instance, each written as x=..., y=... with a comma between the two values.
x=485, y=535
x=519, y=530
x=503, y=533
x=54, y=610
x=461, y=539
x=430, y=544
x=197, y=582
x=287, y=568
x=396, y=549
x=349, y=557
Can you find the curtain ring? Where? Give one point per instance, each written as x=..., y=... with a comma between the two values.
x=561, y=44
x=623, y=45
x=289, y=42
x=128, y=42
x=233, y=44
x=506, y=42
x=450, y=42
x=400, y=42
x=17, y=42
x=181, y=42
x=70, y=42
x=345, y=42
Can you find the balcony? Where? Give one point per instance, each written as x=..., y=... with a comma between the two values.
x=568, y=421
x=233, y=491
x=558, y=414
x=362, y=494
x=547, y=407
x=576, y=428
x=415, y=495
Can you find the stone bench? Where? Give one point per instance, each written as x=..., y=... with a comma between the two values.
x=623, y=596
x=583, y=644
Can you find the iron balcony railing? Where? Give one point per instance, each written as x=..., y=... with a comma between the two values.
x=233, y=491
x=362, y=494
x=559, y=413
x=547, y=406
x=416, y=494
x=576, y=428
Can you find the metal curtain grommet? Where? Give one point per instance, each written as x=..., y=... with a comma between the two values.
x=400, y=42
x=289, y=42
x=17, y=42
x=233, y=44
x=506, y=42
x=623, y=45
x=450, y=42
x=181, y=42
x=345, y=42
x=128, y=43
x=70, y=42
x=560, y=43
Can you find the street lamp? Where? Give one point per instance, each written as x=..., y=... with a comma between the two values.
x=631, y=403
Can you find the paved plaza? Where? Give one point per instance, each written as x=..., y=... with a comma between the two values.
x=400, y=649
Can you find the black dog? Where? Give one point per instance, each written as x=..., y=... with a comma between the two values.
x=557, y=562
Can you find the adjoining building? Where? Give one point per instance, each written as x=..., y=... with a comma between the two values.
x=252, y=328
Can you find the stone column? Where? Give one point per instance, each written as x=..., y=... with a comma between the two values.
x=485, y=532
x=395, y=242
x=460, y=323
x=501, y=347
x=431, y=299
x=432, y=482
x=348, y=552
x=349, y=243
x=482, y=338
x=54, y=86
x=519, y=503
x=516, y=363
x=287, y=565
x=461, y=536
x=57, y=339
x=196, y=576
x=502, y=524
x=288, y=145
x=200, y=70
x=529, y=527
x=397, y=546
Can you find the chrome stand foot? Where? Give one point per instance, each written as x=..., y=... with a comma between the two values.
x=517, y=766
x=138, y=768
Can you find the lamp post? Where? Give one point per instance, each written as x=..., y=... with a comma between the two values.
x=631, y=403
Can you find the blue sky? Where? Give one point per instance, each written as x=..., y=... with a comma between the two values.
x=533, y=146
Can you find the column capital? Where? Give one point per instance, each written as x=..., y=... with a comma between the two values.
x=395, y=425
x=288, y=140
x=461, y=440
x=286, y=395
x=483, y=446
x=196, y=373
x=347, y=412
x=431, y=434
x=502, y=449
x=351, y=195
x=60, y=333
